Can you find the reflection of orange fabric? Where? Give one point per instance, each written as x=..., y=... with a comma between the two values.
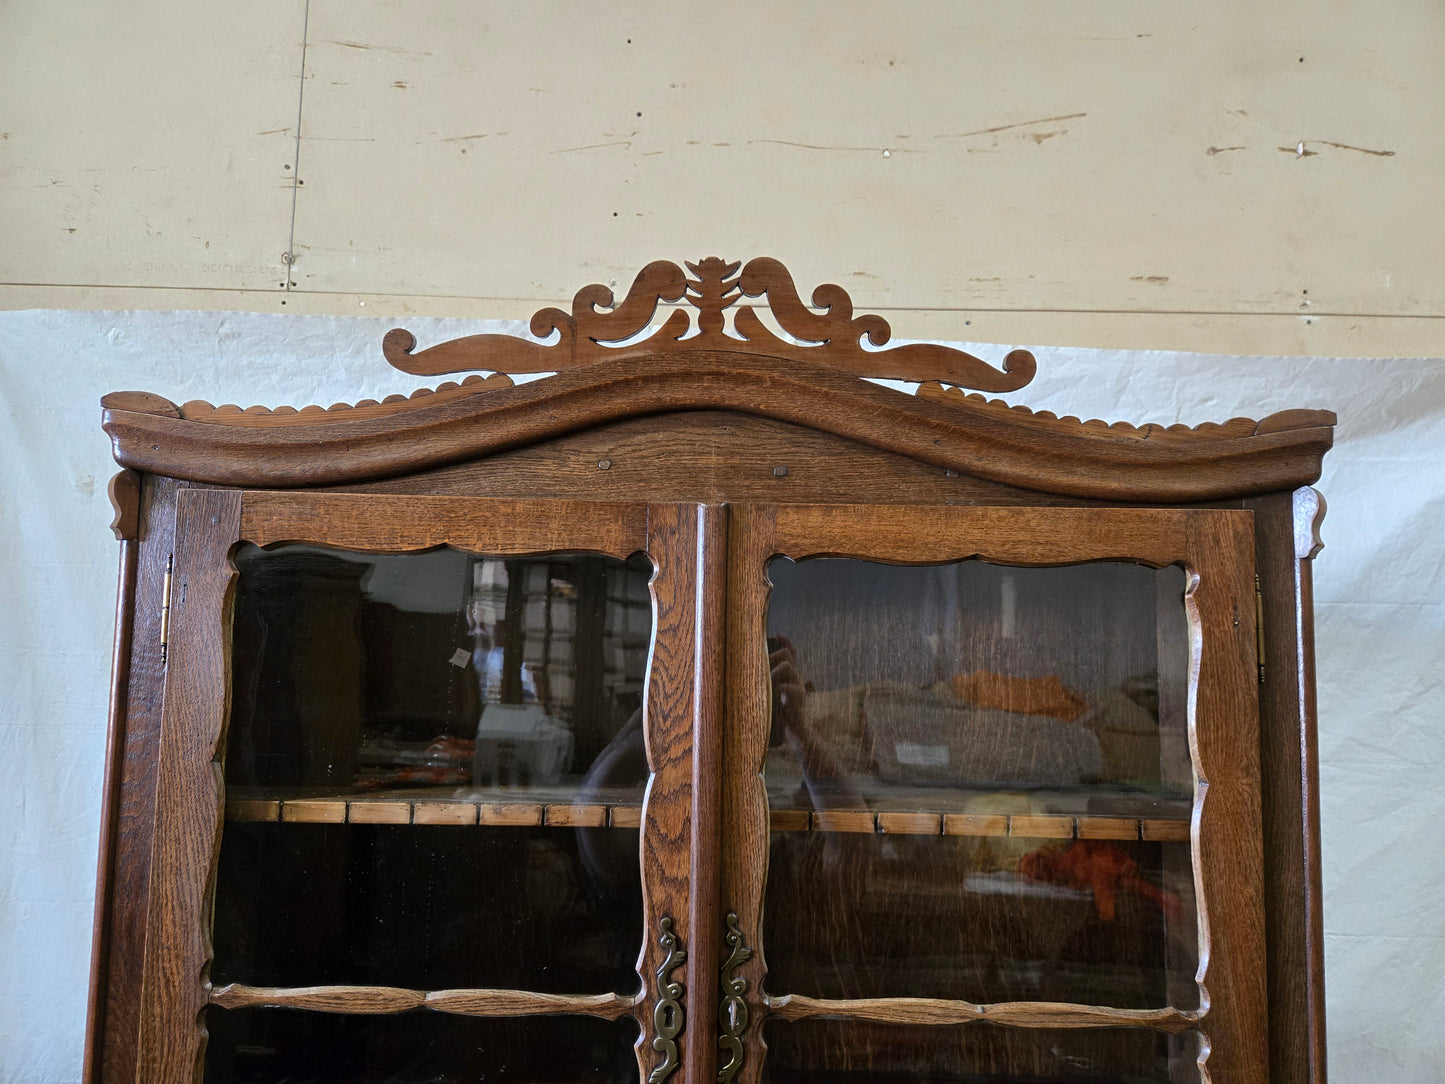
x=1100, y=867
x=1028, y=696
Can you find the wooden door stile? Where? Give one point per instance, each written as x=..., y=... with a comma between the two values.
x=681, y=539
x=1228, y=838
x=745, y=798
x=709, y=714
x=189, y=791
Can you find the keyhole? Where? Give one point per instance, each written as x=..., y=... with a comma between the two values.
x=667, y=1021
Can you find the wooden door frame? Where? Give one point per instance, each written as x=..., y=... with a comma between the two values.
x=681, y=540
x=1216, y=549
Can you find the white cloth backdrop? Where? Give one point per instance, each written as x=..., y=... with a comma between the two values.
x=1380, y=618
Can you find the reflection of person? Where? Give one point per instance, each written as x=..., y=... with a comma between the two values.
x=489, y=659
x=828, y=783
x=623, y=764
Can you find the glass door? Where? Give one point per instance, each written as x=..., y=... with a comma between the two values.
x=992, y=796
x=411, y=847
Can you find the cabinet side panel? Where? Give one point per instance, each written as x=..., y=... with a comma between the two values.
x=1289, y=775
x=122, y=923
x=1285, y=538
x=188, y=789
x=114, y=747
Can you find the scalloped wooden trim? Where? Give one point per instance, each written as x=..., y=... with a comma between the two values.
x=1014, y=447
x=833, y=337
x=1280, y=422
x=260, y=417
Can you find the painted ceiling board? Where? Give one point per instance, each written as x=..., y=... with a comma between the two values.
x=1031, y=156
x=148, y=145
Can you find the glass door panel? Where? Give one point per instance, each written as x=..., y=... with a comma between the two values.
x=852, y=1052
x=267, y=1046
x=989, y=769
x=434, y=771
x=980, y=783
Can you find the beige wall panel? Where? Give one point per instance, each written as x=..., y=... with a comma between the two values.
x=1035, y=156
x=1266, y=334
x=148, y=144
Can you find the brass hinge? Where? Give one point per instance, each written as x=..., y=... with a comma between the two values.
x=166, y=607
x=1259, y=626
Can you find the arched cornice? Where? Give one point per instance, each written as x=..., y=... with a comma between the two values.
x=966, y=433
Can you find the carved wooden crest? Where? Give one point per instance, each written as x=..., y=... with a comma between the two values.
x=597, y=329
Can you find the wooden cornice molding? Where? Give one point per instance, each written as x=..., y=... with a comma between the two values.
x=966, y=433
x=833, y=337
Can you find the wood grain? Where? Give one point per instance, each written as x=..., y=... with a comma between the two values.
x=911, y=824
x=188, y=788
x=314, y=811
x=576, y=816
x=125, y=924
x=365, y=813
x=1286, y=538
x=670, y=714
x=705, y=955
x=707, y=456
x=744, y=794
x=411, y=524
x=1224, y=744
x=1035, y=452
x=587, y=335
x=941, y=1012
x=915, y=535
x=374, y=1000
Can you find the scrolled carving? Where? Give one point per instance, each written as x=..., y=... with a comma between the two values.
x=732, y=1010
x=596, y=329
x=668, y=1017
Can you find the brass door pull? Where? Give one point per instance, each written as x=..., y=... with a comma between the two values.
x=732, y=1010
x=669, y=1017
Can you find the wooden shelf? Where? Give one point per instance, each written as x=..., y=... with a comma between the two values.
x=555, y=808
x=1035, y=826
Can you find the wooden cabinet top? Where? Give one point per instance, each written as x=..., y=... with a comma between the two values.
x=814, y=379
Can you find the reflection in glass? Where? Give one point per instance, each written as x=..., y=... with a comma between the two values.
x=434, y=771
x=852, y=1052
x=421, y=907
x=267, y=1046
x=980, y=784
x=388, y=672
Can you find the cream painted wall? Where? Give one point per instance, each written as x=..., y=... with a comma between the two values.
x=1230, y=177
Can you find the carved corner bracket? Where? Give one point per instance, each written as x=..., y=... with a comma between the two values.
x=597, y=328
x=124, y=493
